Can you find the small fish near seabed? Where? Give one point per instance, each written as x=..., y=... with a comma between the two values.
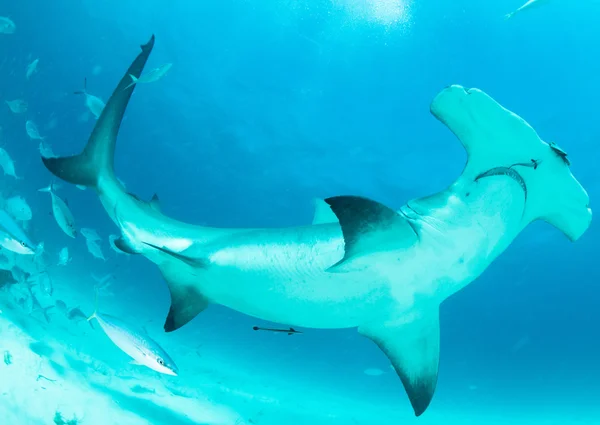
x=61, y=306
x=93, y=103
x=95, y=249
x=136, y=344
x=290, y=331
x=17, y=106
x=151, y=76
x=43, y=281
x=531, y=4
x=32, y=131
x=18, y=208
x=46, y=150
x=7, y=26
x=90, y=234
x=102, y=283
x=12, y=237
x=7, y=164
x=76, y=315
x=32, y=68
x=63, y=257
x=62, y=213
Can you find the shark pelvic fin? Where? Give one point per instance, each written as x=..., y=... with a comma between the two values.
x=199, y=262
x=122, y=245
x=413, y=348
x=155, y=202
x=323, y=213
x=186, y=301
x=369, y=227
x=95, y=164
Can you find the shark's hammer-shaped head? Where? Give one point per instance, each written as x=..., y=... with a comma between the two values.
x=497, y=139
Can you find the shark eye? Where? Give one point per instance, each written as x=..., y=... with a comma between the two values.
x=161, y=362
x=22, y=243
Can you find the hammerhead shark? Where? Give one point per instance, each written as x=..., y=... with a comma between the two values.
x=366, y=265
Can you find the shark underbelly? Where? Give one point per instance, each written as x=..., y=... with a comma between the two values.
x=281, y=276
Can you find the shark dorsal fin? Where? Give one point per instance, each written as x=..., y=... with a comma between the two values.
x=369, y=227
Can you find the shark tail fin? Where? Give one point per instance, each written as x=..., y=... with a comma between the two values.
x=94, y=166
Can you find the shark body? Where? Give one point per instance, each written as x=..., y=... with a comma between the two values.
x=360, y=264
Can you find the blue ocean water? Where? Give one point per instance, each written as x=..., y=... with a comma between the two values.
x=269, y=105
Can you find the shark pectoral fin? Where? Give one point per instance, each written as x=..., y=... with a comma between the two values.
x=414, y=350
x=122, y=245
x=200, y=262
x=369, y=227
x=323, y=213
x=186, y=301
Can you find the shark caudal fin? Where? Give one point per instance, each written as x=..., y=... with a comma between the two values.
x=413, y=348
x=95, y=164
x=499, y=142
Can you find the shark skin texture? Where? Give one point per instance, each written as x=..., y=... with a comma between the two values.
x=360, y=264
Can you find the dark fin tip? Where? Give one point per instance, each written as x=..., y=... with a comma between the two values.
x=149, y=45
x=256, y=328
x=170, y=322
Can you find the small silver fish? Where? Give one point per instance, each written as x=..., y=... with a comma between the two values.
x=32, y=131
x=44, y=282
x=61, y=306
x=7, y=26
x=104, y=281
x=93, y=103
x=46, y=150
x=95, y=249
x=36, y=306
x=63, y=257
x=76, y=315
x=17, y=106
x=136, y=344
x=12, y=237
x=528, y=5
x=18, y=208
x=90, y=234
x=61, y=211
x=32, y=68
x=151, y=76
x=7, y=164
